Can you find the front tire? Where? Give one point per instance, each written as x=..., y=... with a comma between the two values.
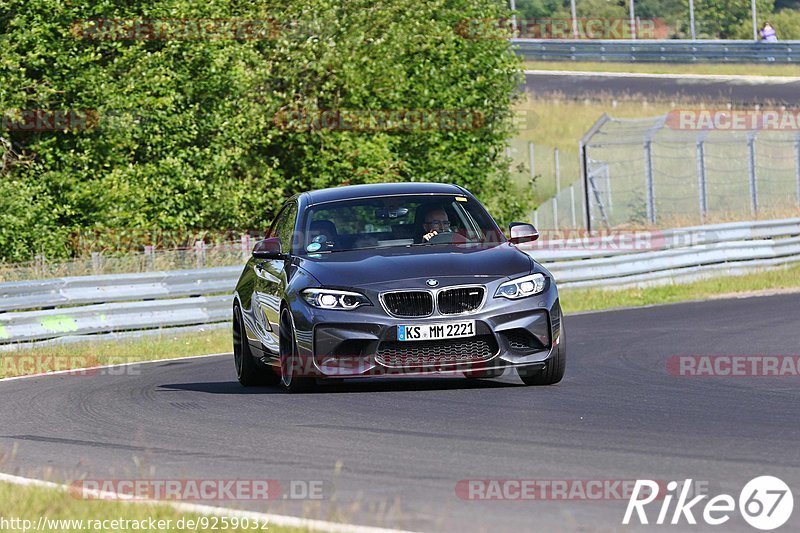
x=248, y=372
x=290, y=358
x=554, y=371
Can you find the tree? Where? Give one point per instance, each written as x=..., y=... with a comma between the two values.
x=188, y=132
x=724, y=18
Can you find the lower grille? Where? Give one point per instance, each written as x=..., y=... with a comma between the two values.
x=521, y=339
x=408, y=303
x=459, y=300
x=424, y=353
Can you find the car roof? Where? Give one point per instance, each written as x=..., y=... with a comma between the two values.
x=380, y=189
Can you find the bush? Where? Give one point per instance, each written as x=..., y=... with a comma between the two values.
x=787, y=24
x=187, y=135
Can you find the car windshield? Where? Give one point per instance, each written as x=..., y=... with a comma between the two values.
x=409, y=220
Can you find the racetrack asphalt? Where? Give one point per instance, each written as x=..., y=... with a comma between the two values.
x=735, y=90
x=391, y=452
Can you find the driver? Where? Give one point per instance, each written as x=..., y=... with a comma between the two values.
x=436, y=222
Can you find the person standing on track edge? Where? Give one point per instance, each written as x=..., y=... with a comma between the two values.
x=768, y=34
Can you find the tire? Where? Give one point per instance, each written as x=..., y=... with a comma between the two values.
x=554, y=371
x=248, y=372
x=289, y=358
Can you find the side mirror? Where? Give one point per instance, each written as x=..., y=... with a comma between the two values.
x=522, y=232
x=268, y=249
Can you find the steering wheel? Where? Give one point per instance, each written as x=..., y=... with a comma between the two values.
x=447, y=238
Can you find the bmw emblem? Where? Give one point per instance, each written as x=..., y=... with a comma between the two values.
x=431, y=282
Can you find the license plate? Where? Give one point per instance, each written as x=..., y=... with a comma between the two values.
x=428, y=332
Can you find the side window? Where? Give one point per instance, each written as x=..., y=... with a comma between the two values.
x=283, y=227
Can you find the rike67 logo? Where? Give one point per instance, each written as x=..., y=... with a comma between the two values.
x=765, y=503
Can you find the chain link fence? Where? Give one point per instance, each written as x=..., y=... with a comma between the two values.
x=675, y=170
x=553, y=176
x=150, y=259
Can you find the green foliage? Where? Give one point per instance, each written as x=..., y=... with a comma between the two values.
x=607, y=9
x=786, y=23
x=187, y=136
x=727, y=19
x=531, y=9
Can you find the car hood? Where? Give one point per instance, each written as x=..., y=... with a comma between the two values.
x=386, y=266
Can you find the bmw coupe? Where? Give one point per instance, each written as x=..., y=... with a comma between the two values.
x=403, y=278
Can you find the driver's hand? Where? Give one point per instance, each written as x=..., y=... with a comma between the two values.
x=429, y=236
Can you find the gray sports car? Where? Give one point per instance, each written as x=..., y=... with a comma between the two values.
x=402, y=278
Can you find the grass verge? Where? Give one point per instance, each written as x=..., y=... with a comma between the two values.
x=763, y=282
x=64, y=512
x=35, y=360
x=744, y=69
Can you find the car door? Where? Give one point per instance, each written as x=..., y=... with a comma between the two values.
x=271, y=279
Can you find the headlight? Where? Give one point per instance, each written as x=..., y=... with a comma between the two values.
x=333, y=299
x=522, y=287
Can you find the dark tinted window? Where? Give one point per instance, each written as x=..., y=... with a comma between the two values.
x=284, y=225
x=396, y=221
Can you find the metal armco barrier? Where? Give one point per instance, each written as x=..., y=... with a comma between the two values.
x=117, y=302
x=658, y=51
x=37, y=325
x=116, y=288
x=670, y=256
x=146, y=301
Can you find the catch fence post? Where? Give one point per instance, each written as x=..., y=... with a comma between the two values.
x=701, y=177
x=751, y=167
x=648, y=168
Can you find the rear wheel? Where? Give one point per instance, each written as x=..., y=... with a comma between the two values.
x=248, y=372
x=292, y=369
x=554, y=371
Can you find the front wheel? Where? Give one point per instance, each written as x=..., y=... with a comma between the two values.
x=554, y=371
x=247, y=370
x=292, y=368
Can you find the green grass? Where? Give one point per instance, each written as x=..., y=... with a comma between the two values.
x=577, y=300
x=758, y=69
x=95, y=353
x=30, y=503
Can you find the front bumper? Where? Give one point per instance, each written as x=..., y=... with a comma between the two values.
x=509, y=333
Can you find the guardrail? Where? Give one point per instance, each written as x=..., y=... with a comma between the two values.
x=116, y=288
x=84, y=305
x=47, y=309
x=83, y=320
x=658, y=257
x=658, y=51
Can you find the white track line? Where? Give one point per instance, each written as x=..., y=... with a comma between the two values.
x=116, y=365
x=715, y=77
x=272, y=519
